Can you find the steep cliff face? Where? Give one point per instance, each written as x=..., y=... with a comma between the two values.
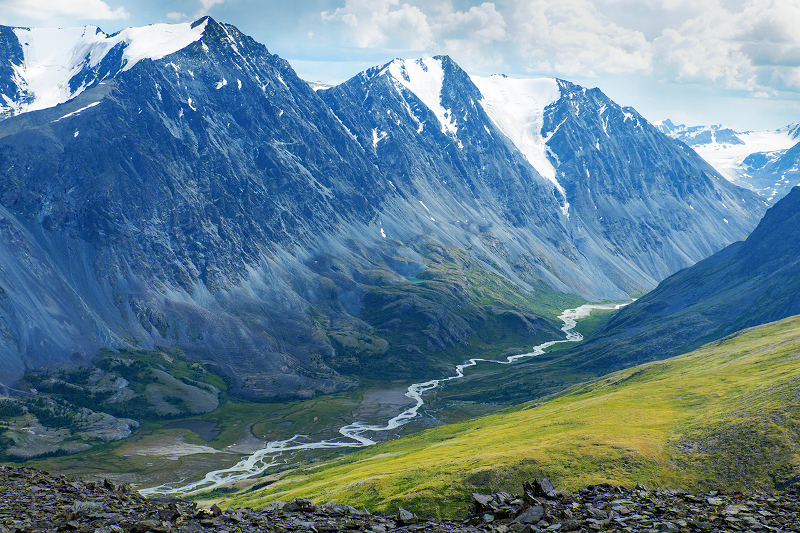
x=653, y=202
x=201, y=195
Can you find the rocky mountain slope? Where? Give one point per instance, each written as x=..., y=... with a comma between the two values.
x=619, y=201
x=747, y=284
x=762, y=161
x=194, y=192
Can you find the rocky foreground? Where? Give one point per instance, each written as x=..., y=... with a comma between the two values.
x=31, y=500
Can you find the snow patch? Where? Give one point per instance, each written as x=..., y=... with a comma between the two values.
x=516, y=106
x=424, y=78
x=52, y=57
x=76, y=112
x=377, y=138
x=221, y=84
x=350, y=133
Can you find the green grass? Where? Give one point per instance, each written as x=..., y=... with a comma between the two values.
x=454, y=309
x=725, y=415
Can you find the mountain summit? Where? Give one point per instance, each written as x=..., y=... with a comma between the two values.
x=46, y=67
x=189, y=190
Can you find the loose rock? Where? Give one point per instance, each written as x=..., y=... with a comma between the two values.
x=31, y=500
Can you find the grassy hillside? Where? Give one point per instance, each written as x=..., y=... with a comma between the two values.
x=726, y=415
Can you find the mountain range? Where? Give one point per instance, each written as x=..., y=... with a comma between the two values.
x=178, y=185
x=763, y=161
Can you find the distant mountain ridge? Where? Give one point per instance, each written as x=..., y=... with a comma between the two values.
x=763, y=161
x=210, y=199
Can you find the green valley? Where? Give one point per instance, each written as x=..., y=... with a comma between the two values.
x=725, y=415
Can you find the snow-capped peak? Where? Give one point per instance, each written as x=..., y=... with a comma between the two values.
x=516, y=106
x=424, y=78
x=726, y=149
x=58, y=64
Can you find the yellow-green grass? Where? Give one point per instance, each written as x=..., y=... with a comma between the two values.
x=725, y=415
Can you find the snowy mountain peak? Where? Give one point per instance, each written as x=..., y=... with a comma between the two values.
x=792, y=130
x=425, y=78
x=58, y=64
x=750, y=159
x=516, y=106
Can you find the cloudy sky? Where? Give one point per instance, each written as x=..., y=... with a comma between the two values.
x=735, y=62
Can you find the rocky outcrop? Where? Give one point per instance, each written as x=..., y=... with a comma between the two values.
x=34, y=500
x=641, y=509
x=40, y=426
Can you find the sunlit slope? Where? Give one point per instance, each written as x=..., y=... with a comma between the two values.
x=725, y=415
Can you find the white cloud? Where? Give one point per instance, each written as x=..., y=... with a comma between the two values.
x=384, y=24
x=205, y=5
x=391, y=25
x=742, y=45
x=174, y=15
x=576, y=38
x=480, y=23
x=79, y=9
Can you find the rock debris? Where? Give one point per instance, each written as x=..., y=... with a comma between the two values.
x=32, y=500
